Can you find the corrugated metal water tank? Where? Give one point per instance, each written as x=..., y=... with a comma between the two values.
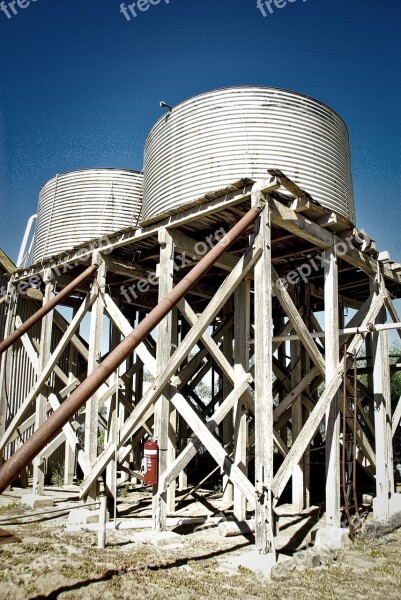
x=214, y=139
x=79, y=206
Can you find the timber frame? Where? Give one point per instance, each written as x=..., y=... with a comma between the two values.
x=267, y=402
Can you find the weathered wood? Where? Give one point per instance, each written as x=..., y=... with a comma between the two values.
x=396, y=418
x=112, y=417
x=70, y=451
x=38, y=479
x=94, y=359
x=161, y=502
x=287, y=401
x=194, y=249
x=190, y=450
x=61, y=346
x=299, y=325
x=393, y=313
x=382, y=418
x=240, y=271
x=188, y=214
x=264, y=519
x=296, y=421
x=309, y=429
x=5, y=362
x=241, y=366
x=226, y=388
x=332, y=354
x=121, y=322
x=218, y=453
x=306, y=229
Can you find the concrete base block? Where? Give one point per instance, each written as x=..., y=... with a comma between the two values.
x=307, y=558
x=381, y=508
x=367, y=499
x=395, y=504
x=84, y=516
x=332, y=537
x=34, y=501
x=166, y=538
x=262, y=564
x=303, y=559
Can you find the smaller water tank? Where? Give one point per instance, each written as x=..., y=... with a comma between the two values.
x=79, y=206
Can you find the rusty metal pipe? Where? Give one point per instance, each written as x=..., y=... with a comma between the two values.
x=53, y=425
x=44, y=310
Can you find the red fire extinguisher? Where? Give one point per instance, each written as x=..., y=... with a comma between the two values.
x=151, y=453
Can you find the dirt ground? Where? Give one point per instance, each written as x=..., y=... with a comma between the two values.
x=51, y=563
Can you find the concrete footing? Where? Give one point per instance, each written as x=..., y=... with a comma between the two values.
x=165, y=538
x=35, y=501
x=84, y=516
x=332, y=537
x=395, y=504
x=261, y=564
x=384, y=509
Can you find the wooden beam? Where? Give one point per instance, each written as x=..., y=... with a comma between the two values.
x=94, y=359
x=163, y=502
x=382, y=418
x=228, y=286
x=297, y=488
x=332, y=354
x=202, y=432
x=191, y=449
x=286, y=403
x=241, y=366
x=289, y=307
x=396, y=418
x=295, y=454
x=192, y=248
x=61, y=346
x=264, y=519
x=393, y=313
x=302, y=227
x=199, y=208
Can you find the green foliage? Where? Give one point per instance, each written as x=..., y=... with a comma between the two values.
x=57, y=476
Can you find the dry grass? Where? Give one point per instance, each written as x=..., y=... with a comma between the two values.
x=52, y=564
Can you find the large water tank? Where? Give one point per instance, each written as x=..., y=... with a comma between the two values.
x=216, y=138
x=79, y=206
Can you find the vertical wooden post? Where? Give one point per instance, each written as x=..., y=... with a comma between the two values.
x=101, y=535
x=112, y=419
x=332, y=355
x=296, y=421
x=5, y=361
x=278, y=324
x=241, y=366
x=94, y=357
x=69, y=453
x=264, y=524
x=305, y=368
x=383, y=434
x=162, y=501
x=228, y=424
x=182, y=424
x=172, y=433
x=41, y=401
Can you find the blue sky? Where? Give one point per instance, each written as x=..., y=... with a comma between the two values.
x=80, y=86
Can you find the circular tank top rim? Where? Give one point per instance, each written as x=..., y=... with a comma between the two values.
x=251, y=87
x=108, y=169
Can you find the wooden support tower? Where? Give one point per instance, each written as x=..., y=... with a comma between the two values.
x=244, y=368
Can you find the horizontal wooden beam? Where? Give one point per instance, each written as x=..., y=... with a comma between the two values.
x=191, y=248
